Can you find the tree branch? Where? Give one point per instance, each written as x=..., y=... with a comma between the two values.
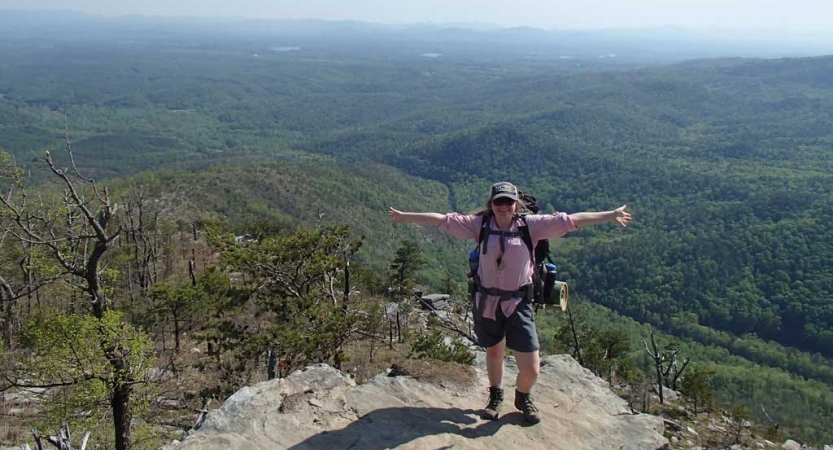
x=79, y=202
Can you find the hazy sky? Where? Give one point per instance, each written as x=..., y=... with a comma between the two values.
x=804, y=15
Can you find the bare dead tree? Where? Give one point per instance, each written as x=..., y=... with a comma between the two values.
x=454, y=323
x=14, y=288
x=141, y=236
x=575, y=336
x=672, y=371
x=10, y=296
x=61, y=441
x=77, y=235
x=774, y=426
x=665, y=365
x=203, y=412
x=657, y=356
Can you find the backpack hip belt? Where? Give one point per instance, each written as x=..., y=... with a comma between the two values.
x=525, y=292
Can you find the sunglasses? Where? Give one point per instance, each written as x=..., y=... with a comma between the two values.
x=503, y=201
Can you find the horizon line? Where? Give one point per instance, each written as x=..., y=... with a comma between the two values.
x=477, y=25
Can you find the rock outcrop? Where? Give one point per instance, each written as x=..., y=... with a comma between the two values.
x=320, y=407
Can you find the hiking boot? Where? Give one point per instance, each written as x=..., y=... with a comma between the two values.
x=524, y=404
x=492, y=410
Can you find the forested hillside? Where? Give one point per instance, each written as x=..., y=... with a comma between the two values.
x=734, y=201
x=726, y=164
x=307, y=191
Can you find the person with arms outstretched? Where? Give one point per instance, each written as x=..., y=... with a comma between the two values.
x=502, y=309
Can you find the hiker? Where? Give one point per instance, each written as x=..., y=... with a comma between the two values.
x=502, y=309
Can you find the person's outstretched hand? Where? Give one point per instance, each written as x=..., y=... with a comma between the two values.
x=622, y=217
x=396, y=215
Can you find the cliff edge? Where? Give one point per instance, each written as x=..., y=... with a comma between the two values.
x=320, y=407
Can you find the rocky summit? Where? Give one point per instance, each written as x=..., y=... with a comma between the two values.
x=320, y=407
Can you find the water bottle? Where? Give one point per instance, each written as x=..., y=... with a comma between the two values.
x=474, y=264
x=549, y=282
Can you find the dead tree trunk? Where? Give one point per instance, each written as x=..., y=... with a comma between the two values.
x=390, y=334
x=9, y=303
x=61, y=441
x=575, y=335
x=398, y=327
x=665, y=365
x=142, y=237
x=658, y=357
x=272, y=365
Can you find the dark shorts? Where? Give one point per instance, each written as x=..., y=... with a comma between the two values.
x=518, y=329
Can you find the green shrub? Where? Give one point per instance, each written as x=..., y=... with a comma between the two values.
x=433, y=346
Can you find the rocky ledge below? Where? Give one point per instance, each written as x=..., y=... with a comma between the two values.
x=320, y=407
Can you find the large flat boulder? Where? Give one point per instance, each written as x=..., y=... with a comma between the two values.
x=319, y=407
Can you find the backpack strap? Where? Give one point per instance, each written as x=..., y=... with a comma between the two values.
x=523, y=232
x=537, y=281
x=482, y=244
x=482, y=241
x=527, y=238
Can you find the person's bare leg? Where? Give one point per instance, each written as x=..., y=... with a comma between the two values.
x=494, y=363
x=494, y=369
x=529, y=366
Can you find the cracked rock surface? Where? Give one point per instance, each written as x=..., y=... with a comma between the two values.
x=320, y=407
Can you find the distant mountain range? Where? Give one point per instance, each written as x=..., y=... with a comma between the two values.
x=645, y=45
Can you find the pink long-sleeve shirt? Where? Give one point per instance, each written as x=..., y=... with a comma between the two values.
x=516, y=265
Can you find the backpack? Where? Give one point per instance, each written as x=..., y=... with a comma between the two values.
x=543, y=273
